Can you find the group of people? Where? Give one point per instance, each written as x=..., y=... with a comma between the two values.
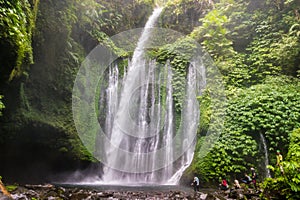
x=225, y=186
x=247, y=179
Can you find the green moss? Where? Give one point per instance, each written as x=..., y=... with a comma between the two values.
x=44, y=102
x=17, y=25
x=179, y=55
x=11, y=188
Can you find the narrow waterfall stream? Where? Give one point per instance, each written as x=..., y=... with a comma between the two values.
x=268, y=174
x=151, y=141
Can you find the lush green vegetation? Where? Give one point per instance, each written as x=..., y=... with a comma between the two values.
x=42, y=46
x=16, y=24
x=178, y=55
x=271, y=109
x=255, y=44
x=287, y=186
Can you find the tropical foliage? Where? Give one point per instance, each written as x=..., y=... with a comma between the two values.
x=16, y=25
x=288, y=185
x=255, y=45
x=42, y=44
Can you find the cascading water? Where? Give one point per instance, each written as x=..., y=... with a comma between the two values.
x=112, y=97
x=190, y=112
x=268, y=174
x=148, y=142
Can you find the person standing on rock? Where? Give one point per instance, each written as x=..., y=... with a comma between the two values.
x=196, y=183
x=254, y=176
x=279, y=161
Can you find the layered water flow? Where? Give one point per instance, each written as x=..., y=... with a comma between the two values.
x=150, y=123
x=266, y=160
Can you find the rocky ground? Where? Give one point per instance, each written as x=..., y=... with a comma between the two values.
x=51, y=192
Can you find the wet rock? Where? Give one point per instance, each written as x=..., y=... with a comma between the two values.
x=203, y=196
x=61, y=189
x=38, y=187
x=78, y=196
x=219, y=196
x=4, y=197
x=52, y=193
x=105, y=194
x=19, y=196
x=53, y=198
x=32, y=194
x=236, y=194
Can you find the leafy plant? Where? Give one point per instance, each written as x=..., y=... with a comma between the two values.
x=230, y=156
x=286, y=186
x=11, y=188
x=183, y=15
x=270, y=109
x=179, y=55
x=287, y=50
x=16, y=25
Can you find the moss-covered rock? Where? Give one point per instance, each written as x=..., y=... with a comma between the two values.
x=37, y=129
x=16, y=25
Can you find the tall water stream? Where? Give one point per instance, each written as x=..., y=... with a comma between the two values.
x=151, y=141
x=266, y=160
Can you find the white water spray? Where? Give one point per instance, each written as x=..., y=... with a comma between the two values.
x=146, y=144
x=268, y=174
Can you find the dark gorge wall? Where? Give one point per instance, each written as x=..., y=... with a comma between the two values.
x=37, y=135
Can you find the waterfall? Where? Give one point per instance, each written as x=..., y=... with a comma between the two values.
x=112, y=97
x=268, y=174
x=148, y=144
x=190, y=113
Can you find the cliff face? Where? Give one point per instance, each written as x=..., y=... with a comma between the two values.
x=37, y=132
x=38, y=135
